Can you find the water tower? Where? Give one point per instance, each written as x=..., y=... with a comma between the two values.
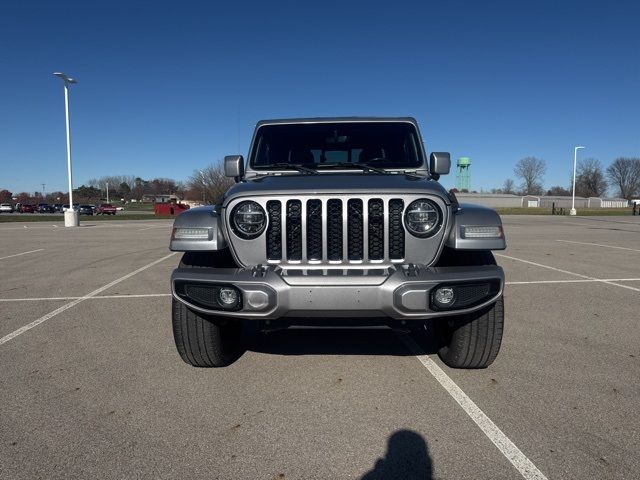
x=463, y=179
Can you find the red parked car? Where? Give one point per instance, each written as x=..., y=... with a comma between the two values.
x=25, y=208
x=106, y=209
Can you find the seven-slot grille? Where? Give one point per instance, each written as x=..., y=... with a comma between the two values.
x=336, y=230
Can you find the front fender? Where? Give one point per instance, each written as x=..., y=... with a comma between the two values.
x=200, y=217
x=474, y=215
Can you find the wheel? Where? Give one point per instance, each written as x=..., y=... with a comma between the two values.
x=205, y=341
x=217, y=259
x=472, y=340
x=464, y=258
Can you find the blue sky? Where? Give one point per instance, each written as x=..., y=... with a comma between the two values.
x=165, y=88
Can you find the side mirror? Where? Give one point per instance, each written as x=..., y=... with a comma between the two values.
x=439, y=163
x=233, y=166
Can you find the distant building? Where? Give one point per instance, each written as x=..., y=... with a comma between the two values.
x=159, y=198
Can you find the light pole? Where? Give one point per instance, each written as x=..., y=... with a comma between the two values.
x=204, y=186
x=71, y=218
x=573, y=196
x=107, y=192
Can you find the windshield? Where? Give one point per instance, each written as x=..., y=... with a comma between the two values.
x=318, y=145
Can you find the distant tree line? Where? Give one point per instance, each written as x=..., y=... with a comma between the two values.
x=592, y=180
x=206, y=185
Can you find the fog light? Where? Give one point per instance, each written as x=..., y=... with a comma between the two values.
x=228, y=296
x=444, y=296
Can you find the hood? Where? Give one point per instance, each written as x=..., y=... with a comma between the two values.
x=338, y=183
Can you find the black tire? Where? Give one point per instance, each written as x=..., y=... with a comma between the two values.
x=205, y=341
x=217, y=259
x=464, y=258
x=472, y=340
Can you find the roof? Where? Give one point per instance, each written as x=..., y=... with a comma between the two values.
x=336, y=120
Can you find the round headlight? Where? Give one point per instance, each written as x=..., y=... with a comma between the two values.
x=248, y=219
x=422, y=218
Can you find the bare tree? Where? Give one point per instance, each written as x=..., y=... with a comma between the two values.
x=624, y=174
x=590, y=179
x=531, y=171
x=558, y=191
x=114, y=181
x=209, y=184
x=508, y=186
x=5, y=196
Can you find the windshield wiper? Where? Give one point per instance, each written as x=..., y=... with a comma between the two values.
x=292, y=166
x=360, y=166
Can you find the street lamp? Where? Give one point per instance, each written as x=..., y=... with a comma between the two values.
x=573, y=197
x=204, y=186
x=71, y=218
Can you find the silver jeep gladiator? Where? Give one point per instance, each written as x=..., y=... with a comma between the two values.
x=338, y=220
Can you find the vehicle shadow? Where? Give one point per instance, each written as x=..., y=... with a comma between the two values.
x=407, y=458
x=334, y=341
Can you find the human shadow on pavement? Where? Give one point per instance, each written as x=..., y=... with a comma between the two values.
x=407, y=458
x=337, y=342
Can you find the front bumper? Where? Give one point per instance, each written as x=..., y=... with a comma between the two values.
x=400, y=292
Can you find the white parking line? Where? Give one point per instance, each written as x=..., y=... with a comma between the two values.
x=75, y=302
x=97, y=297
x=608, y=282
x=158, y=226
x=155, y=295
x=599, y=245
x=23, y=253
x=518, y=459
x=576, y=281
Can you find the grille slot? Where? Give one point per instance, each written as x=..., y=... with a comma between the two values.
x=396, y=229
x=376, y=229
x=274, y=230
x=335, y=230
x=354, y=229
x=294, y=230
x=314, y=230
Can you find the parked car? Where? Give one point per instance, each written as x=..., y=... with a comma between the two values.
x=347, y=222
x=105, y=209
x=120, y=209
x=6, y=208
x=26, y=208
x=85, y=210
x=46, y=208
x=58, y=207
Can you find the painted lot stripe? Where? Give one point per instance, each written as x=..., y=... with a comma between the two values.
x=23, y=253
x=158, y=226
x=533, y=282
x=97, y=297
x=608, y=282
x=158, y=295
x=607, y=220
x=75, y=302
x=518, y=459
x=599, y=245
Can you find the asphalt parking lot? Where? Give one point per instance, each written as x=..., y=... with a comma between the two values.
x=91, y=385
